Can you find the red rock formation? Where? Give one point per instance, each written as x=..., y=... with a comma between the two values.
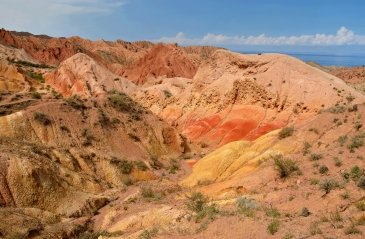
x=161, y=60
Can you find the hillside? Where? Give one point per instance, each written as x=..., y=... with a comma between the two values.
x=140, y=140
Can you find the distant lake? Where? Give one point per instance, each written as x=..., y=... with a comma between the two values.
x=330, y=60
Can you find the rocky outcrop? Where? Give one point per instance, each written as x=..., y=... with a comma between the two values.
x=81, y=75
x=235, y=96
x=162, y=60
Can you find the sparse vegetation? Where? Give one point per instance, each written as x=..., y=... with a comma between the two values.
x=148, y=234
x=288, y=236
x=122, y=102
x=88, y=137
x=104, y=120
x=342, y=140
x=174, y=166
x=36, y=95
x=337, y=161
x=286, y=132
x=36, y=76
x=328, y=185
x=198, y=203
x=357, y=126
x=360, y=205
x=75, y=102
x=361, y=182
x=285, y=167
x=273, y=226
x=29, y=64
x=352, y=230
x=356, y=142
x=246, y=206
x=323, y=169
x=314, y=229
x=124, y=165
x=148, y=193
x=356, y=173
x=306, y=147
x=272, y=212
x=315, y=156
x=337, y=109
x=350, y=98
x=42, y=118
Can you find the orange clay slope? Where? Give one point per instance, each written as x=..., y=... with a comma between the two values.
x=235, y=96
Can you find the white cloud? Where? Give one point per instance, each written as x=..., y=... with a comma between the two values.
x=343, y=36
x=50, y=16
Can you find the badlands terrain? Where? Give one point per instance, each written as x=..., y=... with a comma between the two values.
x=103, y=139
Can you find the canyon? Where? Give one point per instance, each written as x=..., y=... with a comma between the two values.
x=104, y=139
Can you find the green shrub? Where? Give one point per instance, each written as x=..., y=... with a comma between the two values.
x=209, y=212
x=306, y=147
x=323, y=169
x=198, y=203
x=361, y=182
x=337, y=109
x=36, y=95
x=328, y=185
x=122, y=102
x=356, y=142
x=356, y=173
x=285, y=167
x=104, y=120
x=148, y=234
x=147, y=192
x=246, y=206
x=342, y=139
x=315, y=157
x=35, y=76
x=273, y=227
x=30, y=64
x=350, y=98
x=75, y=102
x=272, y=212
x=42, y=118
x=124, y=165
x=286, y=132
x=174, y=166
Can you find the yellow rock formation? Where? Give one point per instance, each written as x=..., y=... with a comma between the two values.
x=238, y=159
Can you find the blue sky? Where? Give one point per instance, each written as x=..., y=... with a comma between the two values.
x=297, y=25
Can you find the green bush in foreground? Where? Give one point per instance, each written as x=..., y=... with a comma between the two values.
x=198, y=203
x=286, y=132
x=284, y=166
x=273, y=227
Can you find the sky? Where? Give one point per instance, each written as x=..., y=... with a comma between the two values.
x=260, y=25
